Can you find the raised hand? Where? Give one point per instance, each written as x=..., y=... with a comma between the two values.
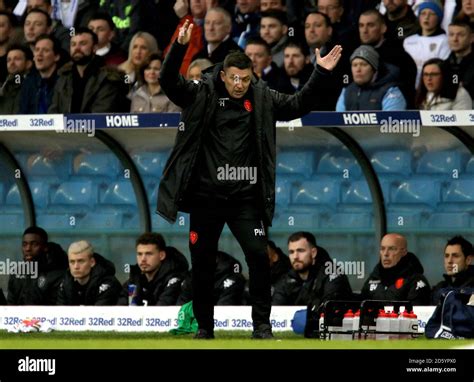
x=330, y=60
x=185, y=33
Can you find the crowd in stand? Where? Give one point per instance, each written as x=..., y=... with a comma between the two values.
x=94, y=56
x=161, y=275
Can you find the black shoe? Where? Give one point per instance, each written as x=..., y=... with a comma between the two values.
x=203, y=334
x=263, y=332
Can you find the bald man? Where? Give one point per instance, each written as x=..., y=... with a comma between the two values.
x=398, y=275
x=91, y=279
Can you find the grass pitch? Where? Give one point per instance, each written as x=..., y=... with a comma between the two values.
x=223, y=340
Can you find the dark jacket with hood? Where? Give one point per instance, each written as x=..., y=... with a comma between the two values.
x=460, y=280
x=42, y=290
x=228, y=282
x=319, y=287
x=103, y=288
x=403, y=282
x=34, y=89
x=165, y=287
x=199, y=100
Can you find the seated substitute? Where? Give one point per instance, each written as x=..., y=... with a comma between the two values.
x=90, y=280
x=159, y=271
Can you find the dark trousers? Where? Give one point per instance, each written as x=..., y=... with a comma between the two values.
x=207, y=219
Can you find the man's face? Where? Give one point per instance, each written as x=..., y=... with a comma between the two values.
x=392, y=249
x=35, y=25
x=459, y=38
x=5, y=29
x=272, y=30
x=80, y=264
x=267, y=5
x=332, y=8
x=247, y=6
x=16, y=62
x=215, y=27
x=32, y=246
x=149, y=257
x=468, y=7
x=102, y=29
x=259, y=56
x=44, y=56
x=41, y=4
x=82, y=48
x=394, y=6
x=294, y=61
x=362, y=72
x=454, y=260
x=198, y=8
x=301, y=255
x=371, y=30
x=316, y=32
x=236, y=81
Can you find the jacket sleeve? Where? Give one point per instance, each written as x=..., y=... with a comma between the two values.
x=13, y=291
x=54, y=108
x=180, y=91
x=280, y=293
x=170, y=294
x=289, y=107
x=419, y=292
x=112, y=295
x=109, y=98
x=61, y=296
x=231, y=294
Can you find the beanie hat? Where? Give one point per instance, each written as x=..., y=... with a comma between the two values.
x=367, y=53
x=435, y=6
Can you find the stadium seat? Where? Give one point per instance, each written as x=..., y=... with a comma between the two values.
x=151, y=163
x=322, y=192
x=460, y=191
x=470, y=166
x=350, y=221
x=295, y=219
x=58, y=221
x=104, y=165
x=449, y=220
x=39, y=165
x=331, y=163
x=416, y=191
x=39, y=191
x=300, y=163
x=439, y=163
x=11, y=222
x=101, y=221
x=76, y=193
x=392, y=162
x=119, y=193
x=282, y=191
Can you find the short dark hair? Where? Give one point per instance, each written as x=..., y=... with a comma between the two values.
x=56, y=44
x=84, y=30
x=260, y=41
x=34, y=230
x=100, y=15
x=146, y=64
x=293, y=43
x=466, y=245
x=375, y=13
x=49, y=21
x=237, y=59
x=26, y=51
x=152, y=238
x=11, y=19
x=326, y=18
x=461, y=23
x=281, y=16
x=303, y=235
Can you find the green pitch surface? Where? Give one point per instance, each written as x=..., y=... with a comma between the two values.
x=223, y=340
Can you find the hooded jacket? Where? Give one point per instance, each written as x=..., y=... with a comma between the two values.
x=229, y=282
x=460, y=280
x=199, y=100
x=165, y=286
x=42, y=290
x=103, y=288
x=403, y=282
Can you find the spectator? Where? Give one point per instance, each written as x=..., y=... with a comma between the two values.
x=159, y=272
x=196, y=68
x=438, y=91
x=297, y=68
x=308, y=282
x=41, y=287
x=7, y=22
x=102, y=25
x=263, y=66
x=149, y=97
x=431, y=41
x=38, y=88
x=229, y=282
x=19, y=62
x=217, y=28
x=141, y=46
x=84, y=86
x=37, y=23
x=273, y=30
x=246, y=21
x=371, y=32
x=272, y=5
x=280, y=264
x=461, y=59
x=373, y=87
x=398, y=276
x=459, y=267
x=467, y=11
x=400, y=19
x=90, y=280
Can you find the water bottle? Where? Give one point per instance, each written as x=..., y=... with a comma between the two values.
x=414, y=322
x=382, y=325
x=322, y=331
x=132, y=294
x=405, y=322
x=355, y=322
x=347, y=325
x=394, y=326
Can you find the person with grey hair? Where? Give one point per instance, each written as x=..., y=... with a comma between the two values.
x=197, y=67
x=373, y=87
x=90, y=280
